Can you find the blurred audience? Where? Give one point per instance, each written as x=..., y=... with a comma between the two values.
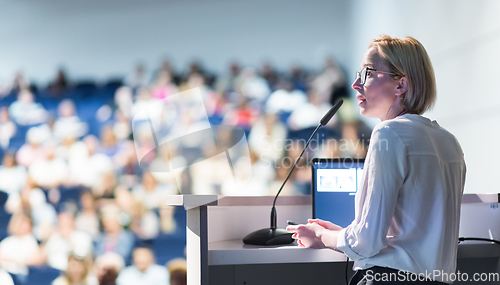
x=163, y=86
x=86, y=165
x=68, y=124
x=310, y=113
x=87, y=220
x=139, y=78
x=243, y=116
x=150, y=194
x=254, y=88
x=269, y=73
x=285, y=99
x=33, y=149
x=59, y=85
x=267, y=137
x=19, y=83
x=87, y=174
x=49, y=171
x=109, y=143
x=7, y=128
x=226, y=82
x=32, y=201
x=44, y=215
x=12, y=176
x=329, y=82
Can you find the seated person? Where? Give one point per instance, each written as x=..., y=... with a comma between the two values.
x=19, y=250
x=77, y=273
x=65, y=241
x=114, y=238
x=177, y=269
x=12, y=176
x=107, y=267
x=25, y=111
x=144, y=270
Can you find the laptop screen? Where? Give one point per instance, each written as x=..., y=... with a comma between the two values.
x=335, y=182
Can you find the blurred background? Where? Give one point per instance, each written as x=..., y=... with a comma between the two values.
x=75, y=74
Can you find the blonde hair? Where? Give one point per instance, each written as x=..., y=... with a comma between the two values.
x=408, y=58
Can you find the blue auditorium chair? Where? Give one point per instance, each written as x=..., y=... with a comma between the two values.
x=42, y=275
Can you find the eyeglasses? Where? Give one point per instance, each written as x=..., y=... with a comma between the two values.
x=363, y=73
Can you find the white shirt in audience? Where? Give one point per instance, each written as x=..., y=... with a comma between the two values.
x=5, y=278
x=155, y=274
x=12, y=179
x=58, y=248
x=19, y=249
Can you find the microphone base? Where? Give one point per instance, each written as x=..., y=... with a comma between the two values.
x=268, y=236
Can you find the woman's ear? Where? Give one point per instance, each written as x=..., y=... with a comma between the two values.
x=402, y=86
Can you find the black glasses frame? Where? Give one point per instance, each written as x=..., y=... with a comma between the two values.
x=363, y=73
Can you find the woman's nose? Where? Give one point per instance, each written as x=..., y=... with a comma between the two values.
x=357, y=83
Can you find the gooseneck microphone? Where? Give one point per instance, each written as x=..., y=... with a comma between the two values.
x=273, y=235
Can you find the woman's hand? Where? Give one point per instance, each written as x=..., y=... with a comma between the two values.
x=316, y=234
x=326, y=224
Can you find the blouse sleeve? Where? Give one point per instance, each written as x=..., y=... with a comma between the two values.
x=384, y=174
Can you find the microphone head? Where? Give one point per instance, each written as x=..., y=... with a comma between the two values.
x=326, y=118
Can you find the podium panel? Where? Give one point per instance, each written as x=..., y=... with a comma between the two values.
x=216, y=254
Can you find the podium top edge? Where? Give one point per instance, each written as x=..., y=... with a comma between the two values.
x=190, y=201
x=216, y=200
x=480, y=198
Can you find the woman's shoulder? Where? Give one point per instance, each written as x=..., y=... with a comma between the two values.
x=402, y=129
x=403, y=124
x=395, y=123
x=387, y=128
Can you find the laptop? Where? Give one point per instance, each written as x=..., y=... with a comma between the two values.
x=335, y=182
